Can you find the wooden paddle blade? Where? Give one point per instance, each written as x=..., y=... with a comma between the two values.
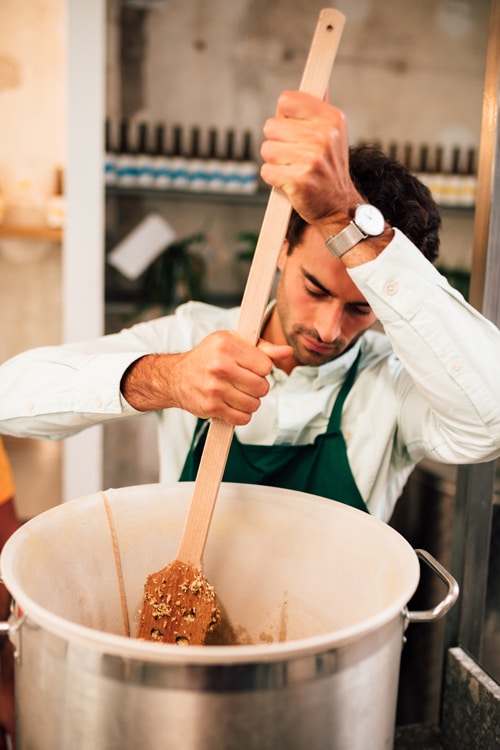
x=178, y=606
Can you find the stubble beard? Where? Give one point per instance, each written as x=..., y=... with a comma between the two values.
x=308, y=357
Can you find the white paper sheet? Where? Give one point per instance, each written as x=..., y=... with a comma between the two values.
x=132, y=255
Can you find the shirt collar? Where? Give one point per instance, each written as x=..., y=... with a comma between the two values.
x=331, y=372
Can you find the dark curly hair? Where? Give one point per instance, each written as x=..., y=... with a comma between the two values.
x=405, y=202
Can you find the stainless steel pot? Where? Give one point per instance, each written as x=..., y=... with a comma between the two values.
x=315, y=590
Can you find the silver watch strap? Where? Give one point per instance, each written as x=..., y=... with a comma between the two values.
x=345, y=239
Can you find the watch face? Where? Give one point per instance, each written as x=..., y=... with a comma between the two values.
x=369, y=219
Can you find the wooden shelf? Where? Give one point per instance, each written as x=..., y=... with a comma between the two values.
x=260, y=197
x=31, y=233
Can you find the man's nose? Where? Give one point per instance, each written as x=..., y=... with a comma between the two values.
x=328, y=324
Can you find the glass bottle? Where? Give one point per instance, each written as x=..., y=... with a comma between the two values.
x=160, y=161
x=110, y=175
x=144, y=176
x=436, y=177
x=247, y=168
x=423, y=172
x=214, y=165
x=230, y=165
x=125, y=172
x=197, y=175
x=469, y=183
x=178, y=166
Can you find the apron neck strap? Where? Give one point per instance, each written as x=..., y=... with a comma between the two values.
x=334, y=423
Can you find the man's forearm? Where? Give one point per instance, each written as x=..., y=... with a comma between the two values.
x=149, y=383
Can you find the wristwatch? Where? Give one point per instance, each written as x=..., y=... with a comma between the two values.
x=368, y=222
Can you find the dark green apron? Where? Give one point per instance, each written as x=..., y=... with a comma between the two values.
x=320, y=468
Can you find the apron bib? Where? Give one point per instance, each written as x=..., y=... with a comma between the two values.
x=320, y=468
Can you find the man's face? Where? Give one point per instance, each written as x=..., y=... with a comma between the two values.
x=319, y=311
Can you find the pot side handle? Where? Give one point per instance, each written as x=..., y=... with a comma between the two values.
x=429, y=615
x=10, y=628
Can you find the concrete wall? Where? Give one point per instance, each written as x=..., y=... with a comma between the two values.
x=405, y=70
x=406, y=73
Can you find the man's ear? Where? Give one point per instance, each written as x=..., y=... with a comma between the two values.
x=283, y=254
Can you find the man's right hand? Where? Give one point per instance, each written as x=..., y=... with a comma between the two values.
x=221, y=377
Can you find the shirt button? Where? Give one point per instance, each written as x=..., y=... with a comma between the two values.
x=391, y=288
x=456, y=365
x=30, y=405
x=98, y=401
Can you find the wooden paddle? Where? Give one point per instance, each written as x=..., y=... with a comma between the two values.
x=179, y=605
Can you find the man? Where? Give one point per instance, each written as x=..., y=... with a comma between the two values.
x=323, y=403
x=8, y=524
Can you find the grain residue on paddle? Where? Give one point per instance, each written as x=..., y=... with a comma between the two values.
x=179, y=606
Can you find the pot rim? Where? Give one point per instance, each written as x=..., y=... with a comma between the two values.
x=148, y=651
x=27, y=610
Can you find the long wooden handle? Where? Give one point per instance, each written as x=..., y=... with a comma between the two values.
x=315, y=79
